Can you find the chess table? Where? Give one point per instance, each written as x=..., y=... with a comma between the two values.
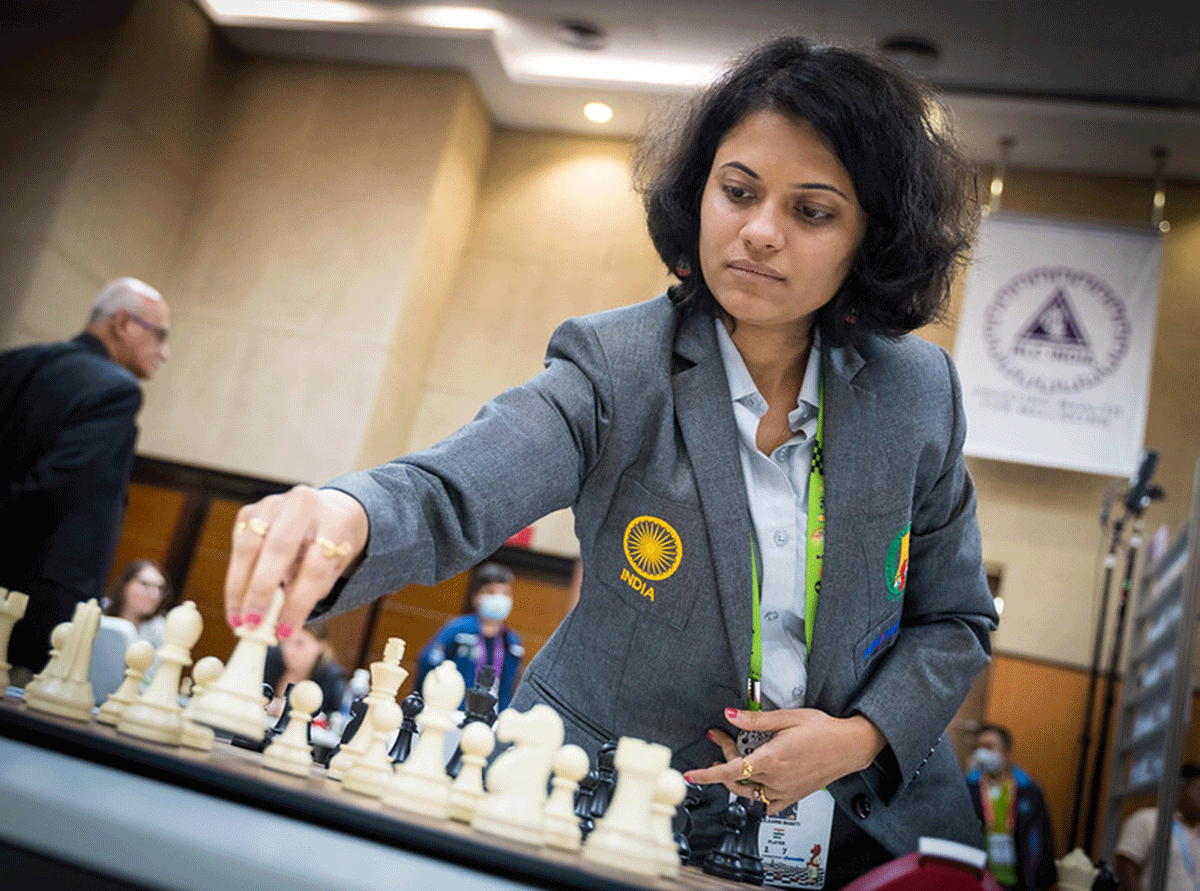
x=96, y=809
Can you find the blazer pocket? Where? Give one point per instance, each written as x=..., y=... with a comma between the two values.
x=652, y=552
x=871, y=646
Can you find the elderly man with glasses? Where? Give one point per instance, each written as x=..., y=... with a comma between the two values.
x=67, y=433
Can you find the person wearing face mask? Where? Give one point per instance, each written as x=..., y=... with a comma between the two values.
x=1016, y=823
x=480, y=638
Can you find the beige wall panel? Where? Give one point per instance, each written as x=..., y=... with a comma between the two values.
x=60, y=309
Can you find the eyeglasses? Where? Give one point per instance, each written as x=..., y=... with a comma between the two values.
x=160, y=334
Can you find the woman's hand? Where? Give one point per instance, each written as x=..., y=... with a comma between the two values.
x=810, y=749
x=301, y=540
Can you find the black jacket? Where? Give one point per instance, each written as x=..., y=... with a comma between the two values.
x=1032, y=832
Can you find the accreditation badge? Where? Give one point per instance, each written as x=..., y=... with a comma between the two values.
x=794, y=844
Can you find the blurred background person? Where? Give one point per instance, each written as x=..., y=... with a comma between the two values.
x=480, y=637
x=1137, y=837
x=305, y=655
x=141, y=595
x=67, y=434
x=1016, y=822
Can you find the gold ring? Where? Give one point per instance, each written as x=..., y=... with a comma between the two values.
x=747, y=770
x=759, y=795
x=259, y=526
x=331, y=550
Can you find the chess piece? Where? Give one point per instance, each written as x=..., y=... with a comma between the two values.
x=622, y=838
x=604, y=783
x=62, y=687
x=749, y=859
x=386, y=678
x=420, y=783
x=235, y=702
x=479, y=705
x=725, y=860
x=370, y=772
x=204, y=673
x=516, y=782
x=139, y=656
x=290, y=751
x=410, y=707
x=467, y=788
x=12, y=608
x=583, y=802
x=560, y=827
x=156, y=715
x=358, y=713
x=669, y=793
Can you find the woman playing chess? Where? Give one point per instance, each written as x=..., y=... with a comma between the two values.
x=782, y=568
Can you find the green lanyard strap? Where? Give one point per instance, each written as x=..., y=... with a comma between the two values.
x=814, y=554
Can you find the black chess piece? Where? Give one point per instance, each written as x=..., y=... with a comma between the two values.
x=606, y=780
x=479, y=706
x=583, y=802
x=358, y=711
x=681, y=825
x=749, y=859
x=1106, y=879
x=725, y=859
x=410, y=707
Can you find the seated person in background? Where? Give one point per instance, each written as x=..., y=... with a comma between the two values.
x=480, y=638
x=1132, y=852
x=305, y=655
x=1016, y=823
x=141, y=594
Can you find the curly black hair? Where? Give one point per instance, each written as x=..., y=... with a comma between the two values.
x=886, y=129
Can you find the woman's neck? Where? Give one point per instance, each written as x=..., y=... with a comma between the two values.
x=776, y=360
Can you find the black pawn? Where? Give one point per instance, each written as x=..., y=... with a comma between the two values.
x=410, y=707
x=358, y=711
x=725, y=859
x=479, y=707
x=681, y=824
x=748, y=856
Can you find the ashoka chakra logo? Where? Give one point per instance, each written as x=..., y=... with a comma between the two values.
x=652, y=547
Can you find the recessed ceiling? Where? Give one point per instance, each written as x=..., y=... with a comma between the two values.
x=1088, y=86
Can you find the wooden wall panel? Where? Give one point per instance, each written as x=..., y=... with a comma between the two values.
x=150, y=518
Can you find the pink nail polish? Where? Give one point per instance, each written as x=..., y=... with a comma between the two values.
x=731, y=713
x=710, y=736
x=687, y=778
x=283, y=630
x=252, y=619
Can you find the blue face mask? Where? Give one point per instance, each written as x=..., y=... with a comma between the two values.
x=495, y=607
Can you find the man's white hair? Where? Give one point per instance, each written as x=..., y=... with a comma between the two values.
x=122, y=293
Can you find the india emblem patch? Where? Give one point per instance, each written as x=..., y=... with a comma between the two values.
x=897, y=564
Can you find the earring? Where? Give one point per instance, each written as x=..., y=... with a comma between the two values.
x=851, y=316
x=683, y=268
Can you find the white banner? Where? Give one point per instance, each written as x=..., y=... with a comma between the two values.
x=1055, y=342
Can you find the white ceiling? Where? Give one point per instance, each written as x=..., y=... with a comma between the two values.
x=1091, y=86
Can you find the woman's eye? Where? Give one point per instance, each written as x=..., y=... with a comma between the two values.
x=814, y=214
x=737, y=193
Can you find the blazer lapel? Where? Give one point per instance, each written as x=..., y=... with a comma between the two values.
x=841, y=614
x=704, y=413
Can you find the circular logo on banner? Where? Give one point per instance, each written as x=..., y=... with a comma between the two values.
x=1055, y=329
x=652, y=547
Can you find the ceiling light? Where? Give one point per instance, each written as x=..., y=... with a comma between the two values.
x=457, y=18
x=598, y=112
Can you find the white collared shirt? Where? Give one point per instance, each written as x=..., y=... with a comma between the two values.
x=777, y=488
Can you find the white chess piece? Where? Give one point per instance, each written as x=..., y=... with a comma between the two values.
x=156, y=715
x=386, y=678
x=420, y=783
x=204, y=672
x=669, y=791
x=291, y=752
x=139, y=656
x=516, y=781
x=12, y=608
x=235, y=701
x=560, y=826
x=467, y=788
x=622, y=838
x=372, y=770
x=62, y=687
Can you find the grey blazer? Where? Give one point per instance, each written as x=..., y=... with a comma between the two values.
x=631, y=425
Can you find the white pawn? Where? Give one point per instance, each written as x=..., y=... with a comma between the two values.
x=139, y=655
x=467, y=789
x=12, y=608
x=156, y=715
x=560, y=826
x=62, y=687
x=204, y=673
x=517, y=779
x=669, y=791
x=371, y=770
x=420, y=783
x=290, y=752
x=622, y=838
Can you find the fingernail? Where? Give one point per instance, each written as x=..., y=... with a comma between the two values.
x=687, y=778
x=731, y=713
x=283, y=630
x=235, y=621
x=710, y=736
x=252, y=619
